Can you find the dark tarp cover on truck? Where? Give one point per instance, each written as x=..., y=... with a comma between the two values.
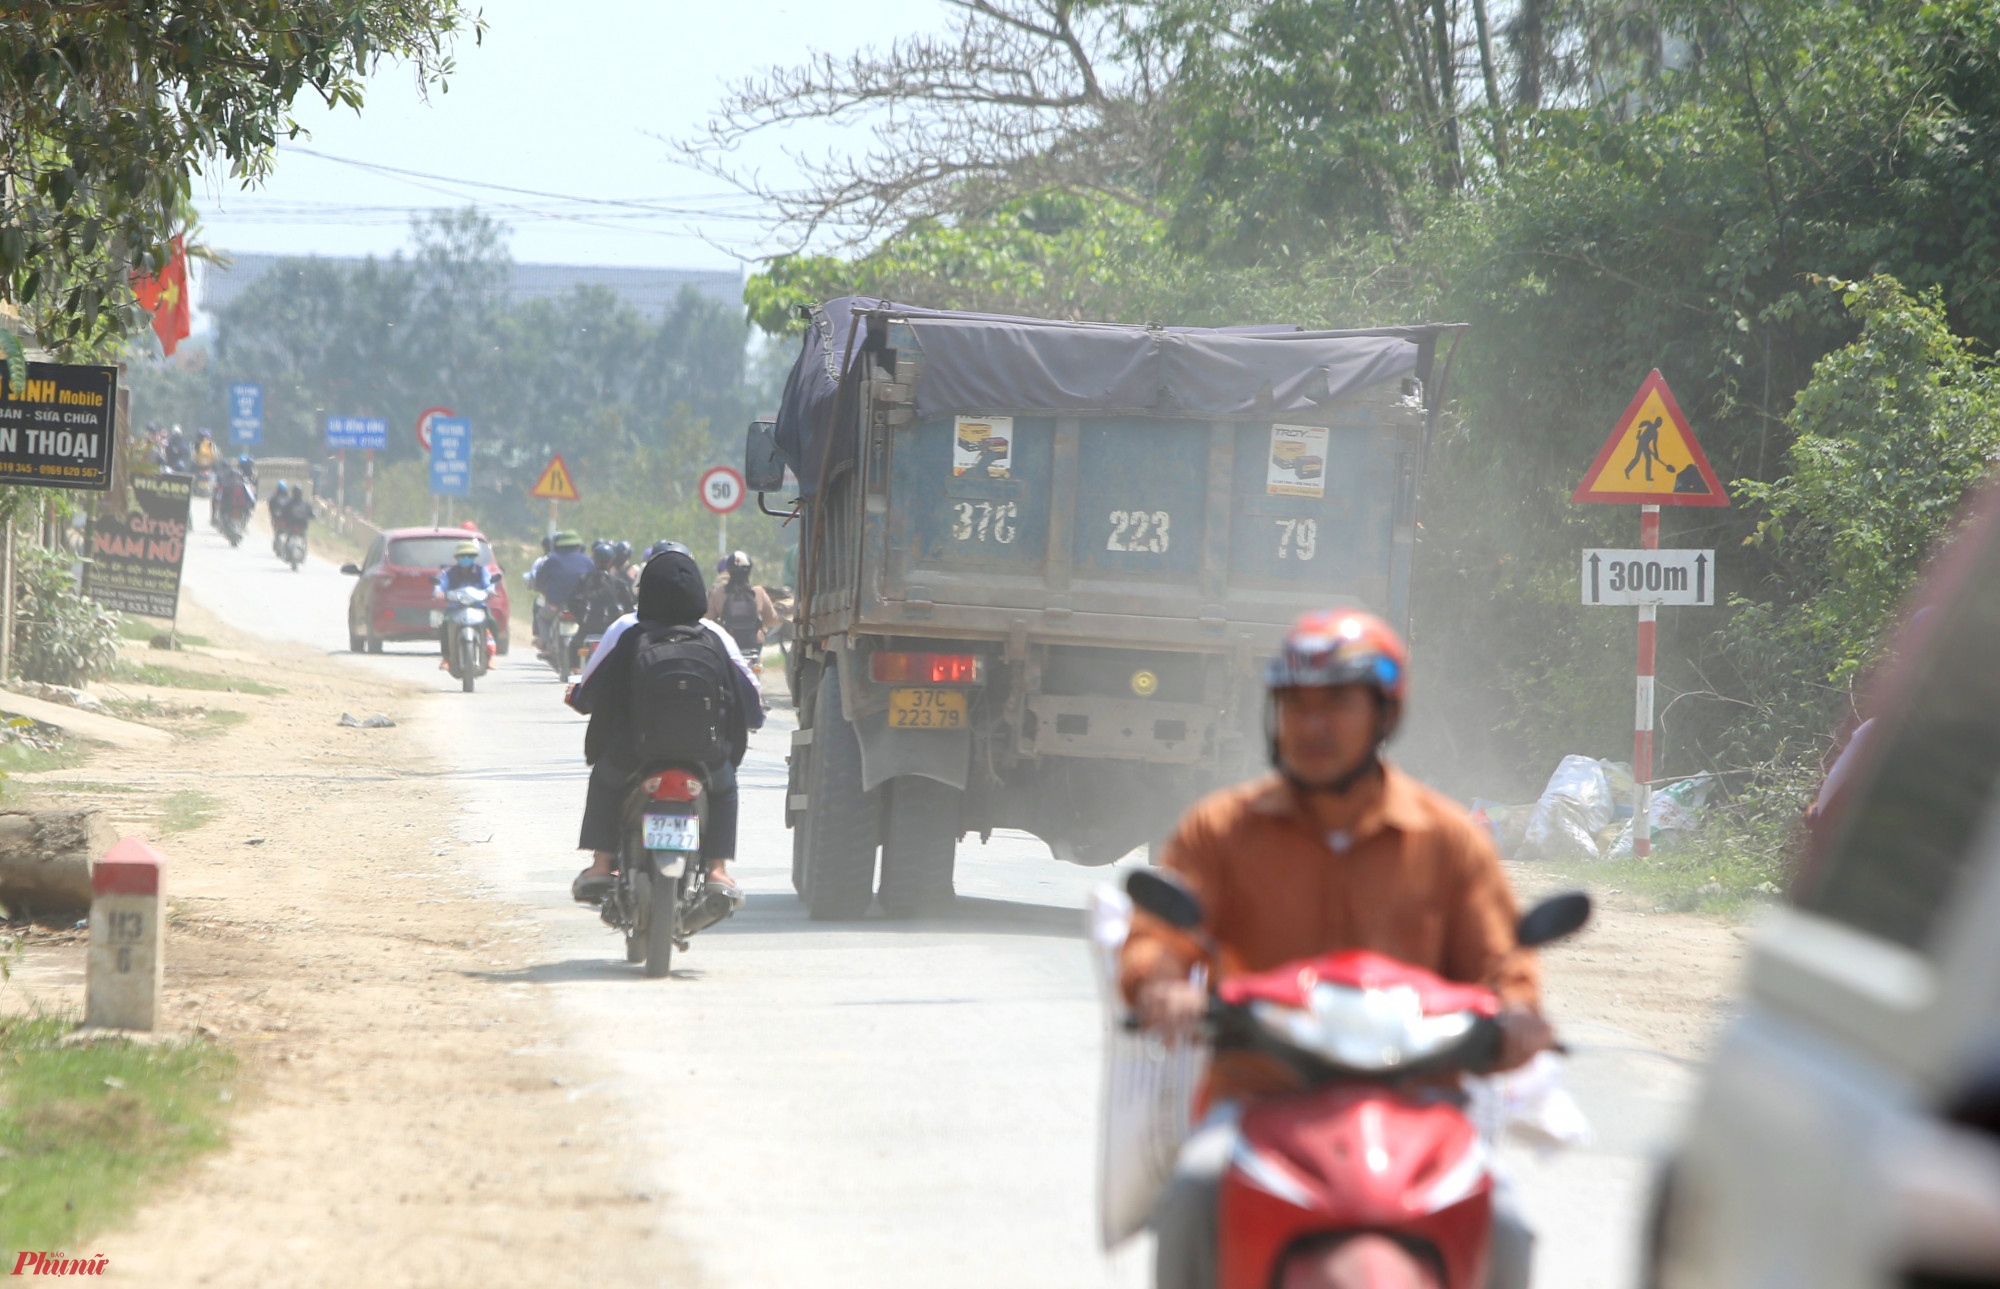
x=990, y=363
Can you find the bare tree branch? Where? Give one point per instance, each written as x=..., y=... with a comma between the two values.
x=1016, y=97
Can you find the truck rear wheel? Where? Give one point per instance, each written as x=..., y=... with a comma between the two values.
x=839, y=819
x=919, y=846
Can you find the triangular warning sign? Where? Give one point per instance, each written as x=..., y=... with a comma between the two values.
x=1652, y=457
x=555, y=483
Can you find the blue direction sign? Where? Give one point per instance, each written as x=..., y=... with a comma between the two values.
x=451, y=456
x=357, y=432
x=246, y=414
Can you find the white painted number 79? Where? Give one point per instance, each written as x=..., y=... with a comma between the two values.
x=1298, y=537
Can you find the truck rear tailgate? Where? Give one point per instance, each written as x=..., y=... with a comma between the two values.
x=1156, y=519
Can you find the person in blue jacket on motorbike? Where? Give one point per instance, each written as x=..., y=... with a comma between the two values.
x=464, y=570
x=555, y=580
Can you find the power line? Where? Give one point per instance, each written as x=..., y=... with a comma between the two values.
x=650, y=204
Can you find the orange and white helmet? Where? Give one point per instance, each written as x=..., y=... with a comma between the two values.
x=1341, y=647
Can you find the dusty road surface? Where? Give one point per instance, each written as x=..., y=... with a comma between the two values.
x=879, y=1104
x=407, y=1114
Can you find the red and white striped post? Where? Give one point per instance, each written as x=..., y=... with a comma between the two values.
x=1642, y=722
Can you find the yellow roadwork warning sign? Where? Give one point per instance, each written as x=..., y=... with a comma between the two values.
x=555, y=483
x=1652, y=457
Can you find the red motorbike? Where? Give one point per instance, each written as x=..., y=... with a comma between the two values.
x=1372, y=1177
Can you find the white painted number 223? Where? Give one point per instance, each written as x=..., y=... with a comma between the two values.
x=1142, y=532
x=1298, y=537
x=977, y=521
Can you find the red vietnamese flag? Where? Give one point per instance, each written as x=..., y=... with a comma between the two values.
x=166, y=298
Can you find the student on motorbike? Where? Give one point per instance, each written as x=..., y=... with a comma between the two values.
x=1337, y=849
x=670, y=594
x=555, y=581
x=464, y=570
x=604, y=595
x=745, y=611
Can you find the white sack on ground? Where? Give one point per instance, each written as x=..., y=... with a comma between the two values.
x=1574, y=807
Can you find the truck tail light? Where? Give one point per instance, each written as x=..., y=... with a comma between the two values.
x=927, y=668
x=672, y=785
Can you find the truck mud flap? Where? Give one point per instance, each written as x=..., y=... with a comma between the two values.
x=943, y=755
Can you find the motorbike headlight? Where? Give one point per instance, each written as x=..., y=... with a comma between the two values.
x=1363, y=1029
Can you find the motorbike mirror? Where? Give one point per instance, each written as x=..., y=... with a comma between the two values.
x=763, y=468
x=1553, y=918
x=352, y=570
x=1165, y=897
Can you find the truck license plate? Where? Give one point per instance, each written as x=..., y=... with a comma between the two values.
x=673, y=832
x=926, y=709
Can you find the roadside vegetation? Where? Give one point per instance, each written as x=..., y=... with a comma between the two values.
x=165, y=677
x=85, y=1127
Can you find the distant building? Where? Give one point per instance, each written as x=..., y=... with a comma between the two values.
x=651, y=291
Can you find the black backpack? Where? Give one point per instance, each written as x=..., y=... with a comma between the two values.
x=739, y=614
x=682, y=683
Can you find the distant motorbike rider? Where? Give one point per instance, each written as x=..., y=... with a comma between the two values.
x=604, y=595
x=621, y=562
x=235, y=496
x=555, y=581
x=179, y=454
x=205, y=454
x=276, y=505
x=465, y=569
x=291, y=511
x=670, y=594
x=1335, y=850
x=745, y=611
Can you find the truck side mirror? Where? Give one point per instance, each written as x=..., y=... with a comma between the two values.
x=763, y=468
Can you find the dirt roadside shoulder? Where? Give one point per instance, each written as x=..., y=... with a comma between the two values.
x=407, y=1113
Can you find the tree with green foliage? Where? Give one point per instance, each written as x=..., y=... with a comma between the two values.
x=108, y=109
x=1892, y=433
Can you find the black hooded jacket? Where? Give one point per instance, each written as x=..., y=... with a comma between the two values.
x=671, y=593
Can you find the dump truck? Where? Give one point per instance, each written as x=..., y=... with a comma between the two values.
x=1042, y=564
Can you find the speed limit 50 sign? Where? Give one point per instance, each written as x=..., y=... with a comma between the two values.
x=722, y=489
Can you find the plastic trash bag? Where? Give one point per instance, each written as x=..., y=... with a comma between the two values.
x=1506, y=824
x=1531, y=1102
x=1147, y=1109
x=1574, y=807
x=1674, y=808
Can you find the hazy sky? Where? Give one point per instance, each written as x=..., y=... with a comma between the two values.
x=564, y=98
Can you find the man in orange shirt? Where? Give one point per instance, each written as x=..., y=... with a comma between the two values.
x=1336, y=850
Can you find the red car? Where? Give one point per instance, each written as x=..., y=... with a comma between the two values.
x=395, y=598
